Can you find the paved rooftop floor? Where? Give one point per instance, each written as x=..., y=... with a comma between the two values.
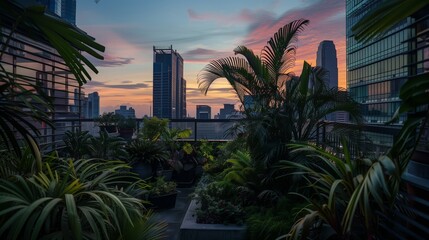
x=174, y=216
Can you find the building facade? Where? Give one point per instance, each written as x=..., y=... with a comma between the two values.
x=169, y=87
x=93, y=105
x=66, y=9
x=126, y=113
x=227, y=111
x=327, y=58
x=377, y=69
x=203, y=112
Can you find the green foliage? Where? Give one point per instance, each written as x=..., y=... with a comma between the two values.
x=377, y=21
x=147, y=151
x=127, y=123
x=77, y=143
x=11, y=164
x=218, y=205
x=18, y=92
x=270, y=223
x=108, y=119
x=153, y=128
x=346, y=193
x=161, y=187
x=284, y=107
x=241, y=169
x=89, y=199
x=107, y=147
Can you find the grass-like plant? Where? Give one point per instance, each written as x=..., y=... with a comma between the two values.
x=86, y=199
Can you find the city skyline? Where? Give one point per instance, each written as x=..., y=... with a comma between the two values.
x=200, y=31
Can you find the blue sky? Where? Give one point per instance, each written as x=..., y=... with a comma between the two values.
x=200, y=31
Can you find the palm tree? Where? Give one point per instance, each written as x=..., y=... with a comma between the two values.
x=284, y=107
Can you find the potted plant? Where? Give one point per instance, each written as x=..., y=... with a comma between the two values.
x=126, y=127
x=147, y=157
x=162, y=194
x=108, y=122
x=185, y=167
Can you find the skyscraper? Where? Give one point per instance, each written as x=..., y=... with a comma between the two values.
x=204, y=112
x=169, y=87
x=327, y=58
x=127, y=113
x=377, y=69
x=68, y=11
x=93, y=105
x=226, y=111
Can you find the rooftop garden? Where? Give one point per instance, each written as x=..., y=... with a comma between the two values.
x=276, y=178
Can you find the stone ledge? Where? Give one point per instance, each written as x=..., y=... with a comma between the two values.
x=190, y=230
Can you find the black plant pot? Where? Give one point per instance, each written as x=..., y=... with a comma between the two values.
x=109, y=128
x=185, y=178
x=126, y=133
x=144, y=170
x=166, y=201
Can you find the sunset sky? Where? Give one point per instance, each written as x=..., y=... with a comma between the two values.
x=200, y=31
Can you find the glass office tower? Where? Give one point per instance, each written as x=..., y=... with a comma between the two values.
x=169, y=87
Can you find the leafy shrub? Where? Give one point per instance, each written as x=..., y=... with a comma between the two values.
x=161, y=187
x=271, y=223
x=218, y=205
x=90, y=199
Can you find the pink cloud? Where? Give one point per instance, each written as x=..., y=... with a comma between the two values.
x=327, y=22
x=244, y=16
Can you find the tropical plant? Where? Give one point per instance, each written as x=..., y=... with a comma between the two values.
x=153, y=128
x=285, y=107
x=218, y=205
x=346, y=192
x=161, y=187
x=152, y=152
x=385, y=15
x=17, y=92
x=76, y=143
x=86, y=199
x=270, y=223
x=107, y=147
x=127, y=123
x=11, y=164
x=108, y=119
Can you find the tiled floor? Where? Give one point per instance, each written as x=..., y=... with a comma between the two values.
x=175, y=215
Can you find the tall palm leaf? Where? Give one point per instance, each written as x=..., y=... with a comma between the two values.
x=346, y=192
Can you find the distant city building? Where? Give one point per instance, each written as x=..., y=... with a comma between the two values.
x=204, y=112
x=66, y=9
x=127, y=113
x=93, y=105
x=226, y=111
x=248, y=102
x=169, y=87
x=327, y=59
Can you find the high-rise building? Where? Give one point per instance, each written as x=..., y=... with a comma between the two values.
x=204, y=112
x=327, y=58
x=226, y=111
x=127, y=113
x=377, y=69
x=68, y=11
x=93, y=105
x=169, y=87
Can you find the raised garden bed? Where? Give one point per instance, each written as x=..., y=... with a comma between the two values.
x=191, y=230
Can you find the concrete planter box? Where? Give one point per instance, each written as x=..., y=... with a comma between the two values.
x=190, y=230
